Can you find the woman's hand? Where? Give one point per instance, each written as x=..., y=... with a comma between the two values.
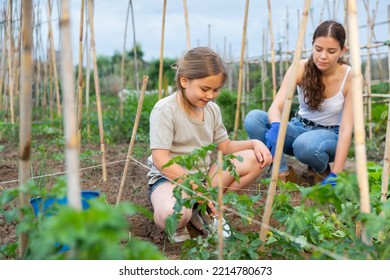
x=262, y=153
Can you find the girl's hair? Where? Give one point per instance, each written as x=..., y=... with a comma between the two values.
x=311, y=82
x=198, y=63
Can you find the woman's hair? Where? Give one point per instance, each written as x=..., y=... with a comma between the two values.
x=311, y=82
x=198, y=63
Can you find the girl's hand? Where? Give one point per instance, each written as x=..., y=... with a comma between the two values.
x=262, y=153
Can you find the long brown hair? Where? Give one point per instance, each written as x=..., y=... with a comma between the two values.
x=198, y=63
x=311, y=82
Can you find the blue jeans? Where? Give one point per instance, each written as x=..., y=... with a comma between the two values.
x=314, y=146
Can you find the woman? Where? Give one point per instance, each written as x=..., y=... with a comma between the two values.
x=187, y=120
x=321, y=131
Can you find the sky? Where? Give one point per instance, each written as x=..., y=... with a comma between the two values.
x=220, y=20
x=214, y=23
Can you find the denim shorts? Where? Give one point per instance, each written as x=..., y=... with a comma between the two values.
x=154, y=186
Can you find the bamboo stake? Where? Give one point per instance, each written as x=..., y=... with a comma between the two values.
x=287, y=39
x=97, y=90
x=80, y=77
x=263, y=76
x=45, y=68
x=134, y=48
x=187, y=25
x=70, y=119
x=386, y=159
x=2, y=64
x=53, y=59
x=360, y=148
x=25, y=112
x=271, y=33
x=38, y=61
x=380, y=70
x=283, y=126
x=87, y=80
x=132, y=140
x=368, y=71
x=50, y=79
x=220, y=207
x=160, y=72
x=123, y=62
x=240, y=80
x=346, y=26
x=245, y=75
x=10, y=62
x=230, y=70
x=17, y=62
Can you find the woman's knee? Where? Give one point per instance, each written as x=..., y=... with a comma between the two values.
x=302, y=148
x=255, y=124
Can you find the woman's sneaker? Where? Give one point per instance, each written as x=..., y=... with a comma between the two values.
x=181, y=235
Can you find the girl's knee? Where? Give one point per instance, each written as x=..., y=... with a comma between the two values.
x=250, y=163
x=160, y=215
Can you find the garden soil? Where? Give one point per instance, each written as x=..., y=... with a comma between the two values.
x=135, y=190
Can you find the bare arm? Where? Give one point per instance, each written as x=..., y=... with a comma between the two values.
x=262, y=153
x=345, y=135
x=276, y=108
x=160, y=158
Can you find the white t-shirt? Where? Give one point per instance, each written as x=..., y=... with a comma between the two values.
x=171, y=129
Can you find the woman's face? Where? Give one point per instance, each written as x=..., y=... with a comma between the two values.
x=326, y=52
x=201, y=91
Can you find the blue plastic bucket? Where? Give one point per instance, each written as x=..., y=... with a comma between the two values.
x=39, y=205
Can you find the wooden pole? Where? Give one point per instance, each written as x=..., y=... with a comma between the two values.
x=87, y=74
x=53, y=59
x=271, y=33
x=2, y=63
x=80, y=77
x=386, y=159
x=373, y=19
x=70, y=119
x=123, y=61
x=10, y=62
x=283, y=126
x=359, y=130
x=240, y=80
x=38, y=60
x=97, y=91
x=287, y=39
x=220, y=207
x=50, y=80
x=263, y=75
x=132, y=140
x=160, y=72
x=368, y=71
x=134, y=47
x=25, y=112
x=188, y=40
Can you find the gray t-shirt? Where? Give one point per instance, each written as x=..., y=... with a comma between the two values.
x=171, y=129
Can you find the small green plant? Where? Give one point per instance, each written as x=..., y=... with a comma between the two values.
x=329, y=221
x=98, y=232
x=205, y=247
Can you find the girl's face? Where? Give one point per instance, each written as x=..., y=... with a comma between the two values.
x=201, y=91
x=326, y=52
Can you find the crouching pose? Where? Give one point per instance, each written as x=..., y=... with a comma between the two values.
x=189, y=119
x=321, y=131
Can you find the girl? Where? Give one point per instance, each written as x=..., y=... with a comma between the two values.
x=321, y=131
x=189, y=119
